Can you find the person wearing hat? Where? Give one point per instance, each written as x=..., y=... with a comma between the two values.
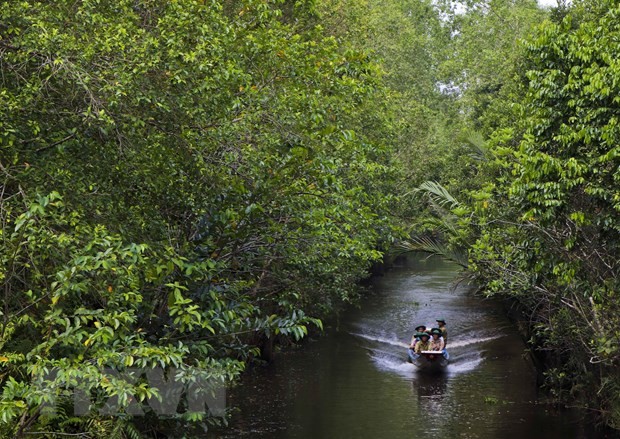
x=436, y=342
x=444, y=330
x=424, y=343
x=415, y=338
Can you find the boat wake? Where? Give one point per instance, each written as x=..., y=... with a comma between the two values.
x=471, y=341
x=462, y=357
x=453, y=344
x=393, y=364
x=464, y=366
x=379, y=339
x=396, y=364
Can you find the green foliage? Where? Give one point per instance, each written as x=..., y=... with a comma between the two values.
x=183, y=181
x=484, y=57
x=450, y=71
x=447, y=225
x=409, y=37
x=549, y=233
x=490, y=400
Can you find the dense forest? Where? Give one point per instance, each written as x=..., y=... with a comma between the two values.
x=187, y=185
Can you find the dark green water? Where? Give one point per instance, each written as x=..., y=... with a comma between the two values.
x=355, y=383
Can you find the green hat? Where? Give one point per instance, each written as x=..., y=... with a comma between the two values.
x=436, y=331
x=422, y=334
x=417, y=328
x=441, y=320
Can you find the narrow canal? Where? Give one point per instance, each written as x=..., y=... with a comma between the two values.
x=355, y=382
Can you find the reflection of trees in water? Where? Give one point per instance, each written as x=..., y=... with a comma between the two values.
x=431, y=392
x=434, y=404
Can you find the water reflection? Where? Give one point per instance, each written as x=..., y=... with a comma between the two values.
x=431, y=392
x=355, y=381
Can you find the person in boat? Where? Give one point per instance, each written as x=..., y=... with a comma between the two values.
x=424, y=343
x=415, y=338
x=444, y=330
x=436, y=342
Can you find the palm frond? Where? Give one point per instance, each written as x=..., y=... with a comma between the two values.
x=438, y=194
x=131, y=432
x=433, y=246
x=442, y=220
x=477, y=144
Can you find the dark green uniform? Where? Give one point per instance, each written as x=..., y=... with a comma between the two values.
x=444, y=334
x=422, y=346
x=444, y=330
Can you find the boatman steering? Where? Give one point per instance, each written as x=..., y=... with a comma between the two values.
x=444, y=330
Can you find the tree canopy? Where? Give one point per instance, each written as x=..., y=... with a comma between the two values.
x=183, y=182
x=550, y=235
x=188, y=183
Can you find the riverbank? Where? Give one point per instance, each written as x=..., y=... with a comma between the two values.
x=544, y=360
x=354, y=381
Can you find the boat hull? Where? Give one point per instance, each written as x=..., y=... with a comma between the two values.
x=429, y=360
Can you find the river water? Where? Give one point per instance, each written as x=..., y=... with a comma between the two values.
x=354, y=382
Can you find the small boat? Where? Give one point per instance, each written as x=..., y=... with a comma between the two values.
x=430, y=360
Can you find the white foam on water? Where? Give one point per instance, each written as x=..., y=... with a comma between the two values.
x=391, y=362
x=465, y=366
x=379, y=339
x=463, y=343
x=408, y=370
x=374, y=351
x=453, y=344
x=400, y=367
